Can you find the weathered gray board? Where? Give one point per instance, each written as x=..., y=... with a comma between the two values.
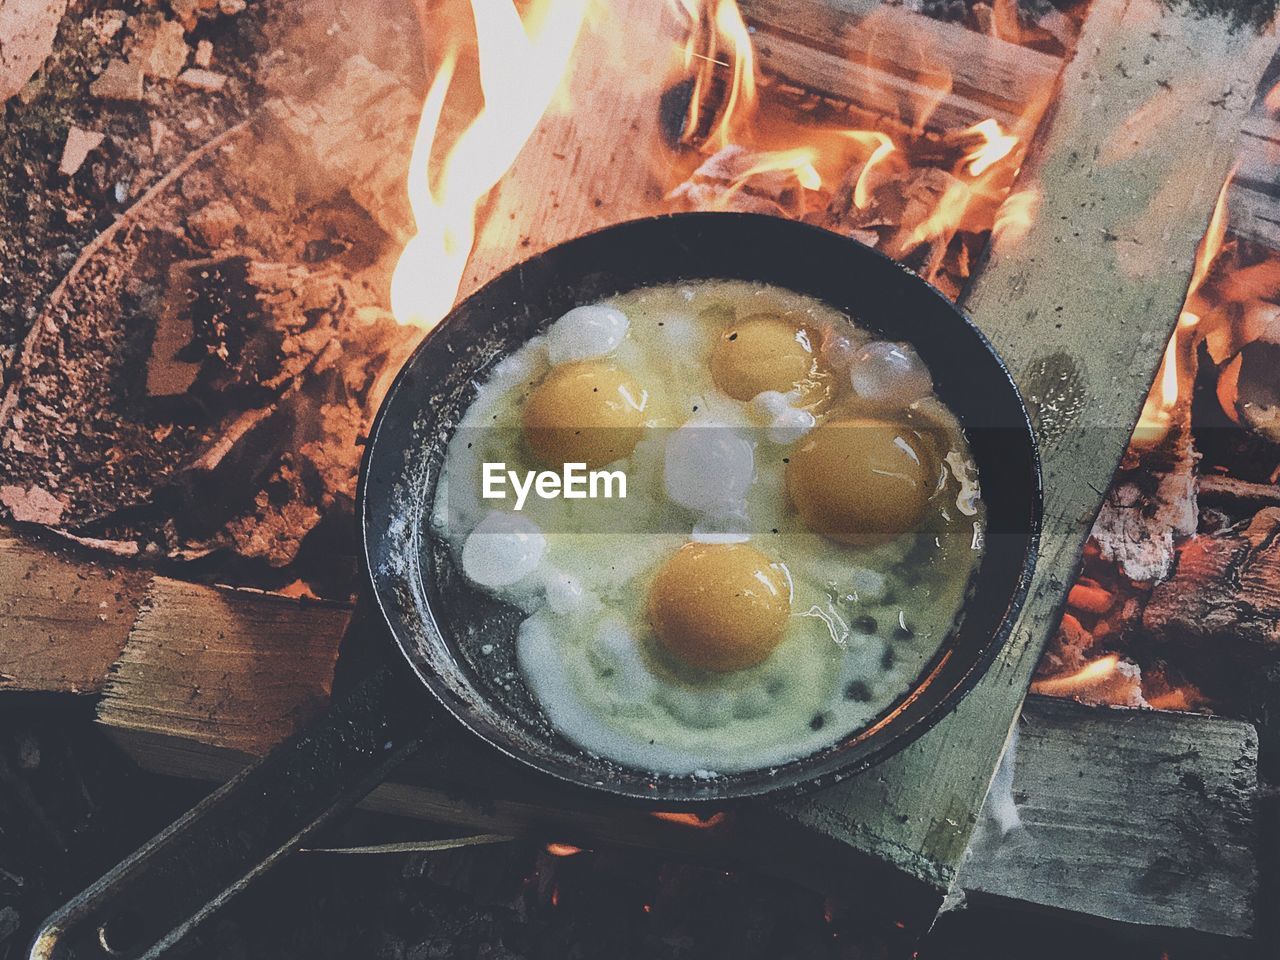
x=1139, y=817
x=1126, y=173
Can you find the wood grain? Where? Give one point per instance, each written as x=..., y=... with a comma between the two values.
x=1254, y=211
x=1081, y=307
x=1139, y=817
x=241, y=667
x=901, y=65
x=64, y=619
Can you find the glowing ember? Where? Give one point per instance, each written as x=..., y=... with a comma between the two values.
x=562, y=849
x=521, y=65
x=690, y=819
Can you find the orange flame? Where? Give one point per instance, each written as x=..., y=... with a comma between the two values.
x=718, y=37
x=562, y=849
x=1087, y=676
x=946, y=216
x=522, y=64
x=996, y=146
x=881, y=146
x=1272, y=100
x=690, y=819
x=1163, y=399
x=797, y=161
x=1016, y=214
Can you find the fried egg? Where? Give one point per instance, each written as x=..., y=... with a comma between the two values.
x=801, y=521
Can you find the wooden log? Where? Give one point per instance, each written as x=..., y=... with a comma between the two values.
x=1254, y=198
x=64, y=619
x=1080, y=307
x=253, y=666
x=1088, y=782
x=1144, y=818
x=901, y=65
x=1219, y=614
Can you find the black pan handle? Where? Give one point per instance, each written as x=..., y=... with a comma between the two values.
x=150, y=901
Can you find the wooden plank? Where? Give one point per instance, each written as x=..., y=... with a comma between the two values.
x=1254, y=198
x=63, y=618
x=251, y=666
x=1109, y=799
x=1139, y=817
x=1081, y=308
x=916, y=105
x=900, y=64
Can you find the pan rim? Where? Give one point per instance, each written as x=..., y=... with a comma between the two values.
x=835, y=766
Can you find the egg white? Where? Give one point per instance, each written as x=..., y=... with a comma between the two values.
x=865, y=620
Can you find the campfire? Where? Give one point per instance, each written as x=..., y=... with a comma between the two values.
x=287, y=276
x=191, y=397
x=1178, y=585
x=288, y=298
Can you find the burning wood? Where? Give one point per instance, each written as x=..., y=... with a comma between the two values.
x=735, y=178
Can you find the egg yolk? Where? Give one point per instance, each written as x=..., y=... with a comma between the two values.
x=589, y=412
x=861, y=481
x=765, y=352
x=719, y=606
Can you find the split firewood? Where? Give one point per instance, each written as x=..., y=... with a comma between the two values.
x=1214, y=488
x=905, y=208
x=1248, y=389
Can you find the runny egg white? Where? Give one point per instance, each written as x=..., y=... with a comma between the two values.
x=801, y=520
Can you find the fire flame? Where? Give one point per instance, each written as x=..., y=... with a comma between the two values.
x=1016, y=214
x=996, y=146
x=690, y=819
x=718, y=37
x=881, y=145
x=521, y=59
x=1166, y=393
x=521, y=65
x=1087, y=676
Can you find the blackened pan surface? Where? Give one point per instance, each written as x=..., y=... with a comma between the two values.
x=440, y=621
